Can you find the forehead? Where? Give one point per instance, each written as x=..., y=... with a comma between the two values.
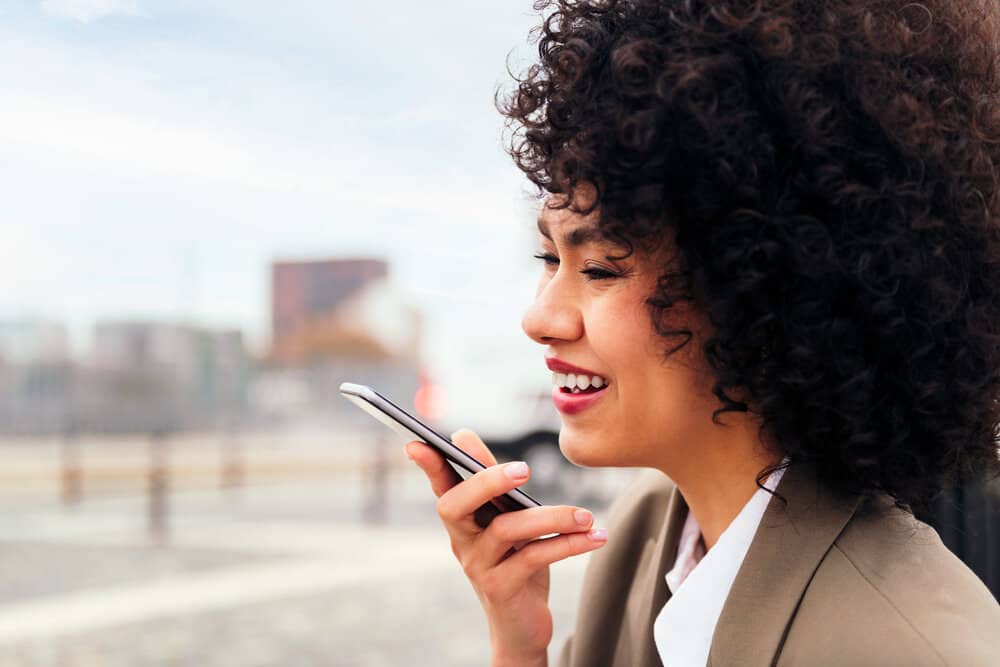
x=569, y=228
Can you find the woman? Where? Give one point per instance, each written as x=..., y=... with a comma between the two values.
x=771, y=248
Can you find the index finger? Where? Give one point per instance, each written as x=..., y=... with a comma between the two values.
x=443, y=477
x=440, y=473
x=472, y=444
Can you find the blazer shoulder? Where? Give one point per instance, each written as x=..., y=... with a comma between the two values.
x=900, y=582
x=619, y=575
x=635, y=517
x=650, y=488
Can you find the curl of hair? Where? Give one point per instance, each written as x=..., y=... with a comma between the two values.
x=830, y=171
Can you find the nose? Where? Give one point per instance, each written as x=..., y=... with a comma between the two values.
x=554, y=316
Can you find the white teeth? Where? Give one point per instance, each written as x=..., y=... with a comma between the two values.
x=577, y=383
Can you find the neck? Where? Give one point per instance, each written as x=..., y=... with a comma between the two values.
x=719, y=480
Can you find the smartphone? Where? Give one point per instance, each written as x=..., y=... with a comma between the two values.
x=399, y=420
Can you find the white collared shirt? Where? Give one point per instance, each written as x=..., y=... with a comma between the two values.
x=699, y=583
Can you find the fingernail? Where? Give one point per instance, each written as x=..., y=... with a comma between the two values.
x=516, y=470
x=583, y=517
x=406, y=450
x=598, y=535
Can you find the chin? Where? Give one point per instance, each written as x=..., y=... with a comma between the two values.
x=586, y=451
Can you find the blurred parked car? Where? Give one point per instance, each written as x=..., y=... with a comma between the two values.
x=518, y=421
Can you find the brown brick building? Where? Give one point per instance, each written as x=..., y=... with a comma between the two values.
x=309, y=290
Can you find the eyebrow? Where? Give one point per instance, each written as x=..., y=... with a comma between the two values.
x=576, y=237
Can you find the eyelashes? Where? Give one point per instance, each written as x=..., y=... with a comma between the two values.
x=550, y=260
x=592, y=273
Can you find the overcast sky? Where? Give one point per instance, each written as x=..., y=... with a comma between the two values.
x=157, y=155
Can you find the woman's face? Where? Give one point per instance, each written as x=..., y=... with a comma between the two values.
x=591, y=313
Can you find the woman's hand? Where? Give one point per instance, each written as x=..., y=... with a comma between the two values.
x=502, y=554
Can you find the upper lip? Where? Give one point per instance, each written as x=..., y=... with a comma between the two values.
x=559, y=366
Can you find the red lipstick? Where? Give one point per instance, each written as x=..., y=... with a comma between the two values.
x=572, y=404
x=567, y=402
x=559, y=366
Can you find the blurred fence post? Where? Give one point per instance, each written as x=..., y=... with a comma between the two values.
x=158, y=482
x=375, y=460
x=71, y=477
x=232, y=469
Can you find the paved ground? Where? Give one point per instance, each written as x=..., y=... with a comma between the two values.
x=281, y=572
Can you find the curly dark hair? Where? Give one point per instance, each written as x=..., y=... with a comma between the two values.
x=831, y=172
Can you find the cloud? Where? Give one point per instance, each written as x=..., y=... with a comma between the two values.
x=22, y=252
x=86, y=11
x=74, y=132
x=253, y=129
x=121, y=138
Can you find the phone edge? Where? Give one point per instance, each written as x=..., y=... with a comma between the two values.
x=451, y=451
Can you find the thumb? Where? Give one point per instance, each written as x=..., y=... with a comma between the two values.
x=473, y=445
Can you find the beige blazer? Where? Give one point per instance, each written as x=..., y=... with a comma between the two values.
x=827, y=581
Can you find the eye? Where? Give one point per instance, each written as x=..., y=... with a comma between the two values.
x=591, y=273
x=550, y=260
x=598, y=274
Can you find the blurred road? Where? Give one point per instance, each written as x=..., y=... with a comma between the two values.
x=282, y=571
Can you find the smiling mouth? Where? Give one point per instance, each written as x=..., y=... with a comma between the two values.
x=573, y=393
x=570, y=383
x=577, y=390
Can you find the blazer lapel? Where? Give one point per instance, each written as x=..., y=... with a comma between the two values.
x=786, y=550
x=658, y=558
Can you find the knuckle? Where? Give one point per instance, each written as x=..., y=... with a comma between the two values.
x=556, y=520
x=501, y=528
x=534, y=555
x=563, y=517
x=445, y=510
x=467, y=564
x=580, y=543
x=491, y=586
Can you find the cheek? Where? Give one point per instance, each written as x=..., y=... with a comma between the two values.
x=654, y=402
x=636, y=350
x=661, y=400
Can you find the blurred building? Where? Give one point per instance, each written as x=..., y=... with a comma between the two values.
x=35, y=376
x=146, y=376
x=139, y=377
x=337, y=320
x=33, y=341
x=302, y=291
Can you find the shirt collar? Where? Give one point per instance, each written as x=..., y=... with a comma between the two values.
x=690, y=551
x=700, y=581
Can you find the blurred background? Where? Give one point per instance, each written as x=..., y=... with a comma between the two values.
x=214, y=212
